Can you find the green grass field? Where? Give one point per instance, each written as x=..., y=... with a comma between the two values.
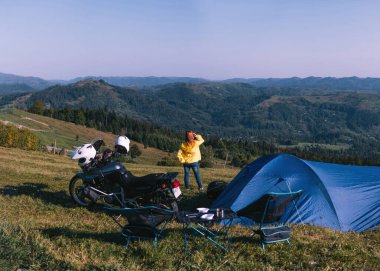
x=42, y=229
x=64, y=133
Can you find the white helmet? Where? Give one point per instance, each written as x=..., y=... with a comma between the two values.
x=122, y=144
x=85, y=154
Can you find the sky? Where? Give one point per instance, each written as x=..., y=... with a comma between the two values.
x=212, y=39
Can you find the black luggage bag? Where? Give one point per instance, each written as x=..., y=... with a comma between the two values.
x=215, y=188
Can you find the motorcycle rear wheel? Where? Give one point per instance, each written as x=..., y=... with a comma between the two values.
x=166, y=203
x=174, y=206
x=76, y=189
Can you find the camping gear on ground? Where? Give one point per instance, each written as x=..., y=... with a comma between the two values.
x=196, y=227
x=340, y=197
x=103, y=180
x=271, y=211
x=215, y=188
x=143, y=223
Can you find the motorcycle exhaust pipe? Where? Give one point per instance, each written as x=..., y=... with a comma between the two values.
x=90, y=194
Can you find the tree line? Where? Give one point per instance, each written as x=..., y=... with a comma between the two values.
x=235, y=151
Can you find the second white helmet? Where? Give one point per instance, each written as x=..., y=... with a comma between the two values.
x=122, y=144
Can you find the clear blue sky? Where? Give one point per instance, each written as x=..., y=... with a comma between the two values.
x=214, y=39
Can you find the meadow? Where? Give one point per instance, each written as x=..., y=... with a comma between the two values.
x=42, y=229
x=68, y=135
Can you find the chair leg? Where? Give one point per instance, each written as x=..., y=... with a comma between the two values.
x=228, y=242
x=127, y=243
x=185, y=239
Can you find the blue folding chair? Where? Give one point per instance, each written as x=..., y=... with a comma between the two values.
x=143, y=223
x=271, y=212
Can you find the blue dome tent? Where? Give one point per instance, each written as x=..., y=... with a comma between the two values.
x=340, y=197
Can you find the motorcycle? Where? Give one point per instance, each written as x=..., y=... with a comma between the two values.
x=107, y=181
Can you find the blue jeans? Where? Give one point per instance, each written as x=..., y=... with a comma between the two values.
x=195, y=168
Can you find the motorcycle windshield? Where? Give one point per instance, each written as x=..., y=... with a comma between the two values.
x=97, y=143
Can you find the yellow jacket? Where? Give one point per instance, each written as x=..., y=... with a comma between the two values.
x=190, y=153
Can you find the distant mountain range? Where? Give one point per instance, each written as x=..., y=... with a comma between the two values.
x=131, y=81
x=15, y=88
x=234, y=110
x=19, y=83
x=329, y=83
x=12, y=83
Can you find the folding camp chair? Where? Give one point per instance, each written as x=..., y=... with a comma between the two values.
x=272, y=211
x=143, y=223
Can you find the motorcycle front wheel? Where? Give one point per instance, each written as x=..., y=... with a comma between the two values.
x=77, y=188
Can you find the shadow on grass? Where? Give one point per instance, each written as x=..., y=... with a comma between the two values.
x=246, y=239
x=40, y=191
x=192, y=202
x=113, y=237
x=61, y=198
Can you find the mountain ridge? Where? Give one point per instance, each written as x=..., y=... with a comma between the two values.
x=35, y=83
x=229, y=110
x=368, y=84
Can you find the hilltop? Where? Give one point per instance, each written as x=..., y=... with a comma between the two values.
x=233, y=110
x=325, y=83
x=311, y=83
x=14, y=83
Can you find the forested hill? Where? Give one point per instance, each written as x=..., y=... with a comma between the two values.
x=10, y=83
x=233, y=110
x=99, y=94
x=15, y=88
x=128, y=81
x=14, y=83
x=322, y=83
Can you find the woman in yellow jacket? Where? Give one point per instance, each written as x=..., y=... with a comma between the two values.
x=190, y=155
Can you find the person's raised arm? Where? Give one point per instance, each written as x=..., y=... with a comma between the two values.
x=199, y=139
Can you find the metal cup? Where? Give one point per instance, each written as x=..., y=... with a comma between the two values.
x=218, y=211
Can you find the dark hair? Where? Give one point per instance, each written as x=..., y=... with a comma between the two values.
x=187, y=138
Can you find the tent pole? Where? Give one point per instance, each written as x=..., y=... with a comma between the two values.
x=295, y=205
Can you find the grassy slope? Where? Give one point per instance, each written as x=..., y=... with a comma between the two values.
x=41, y=229
x=49, y=130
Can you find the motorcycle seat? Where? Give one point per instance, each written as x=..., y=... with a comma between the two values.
x=149, y=180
